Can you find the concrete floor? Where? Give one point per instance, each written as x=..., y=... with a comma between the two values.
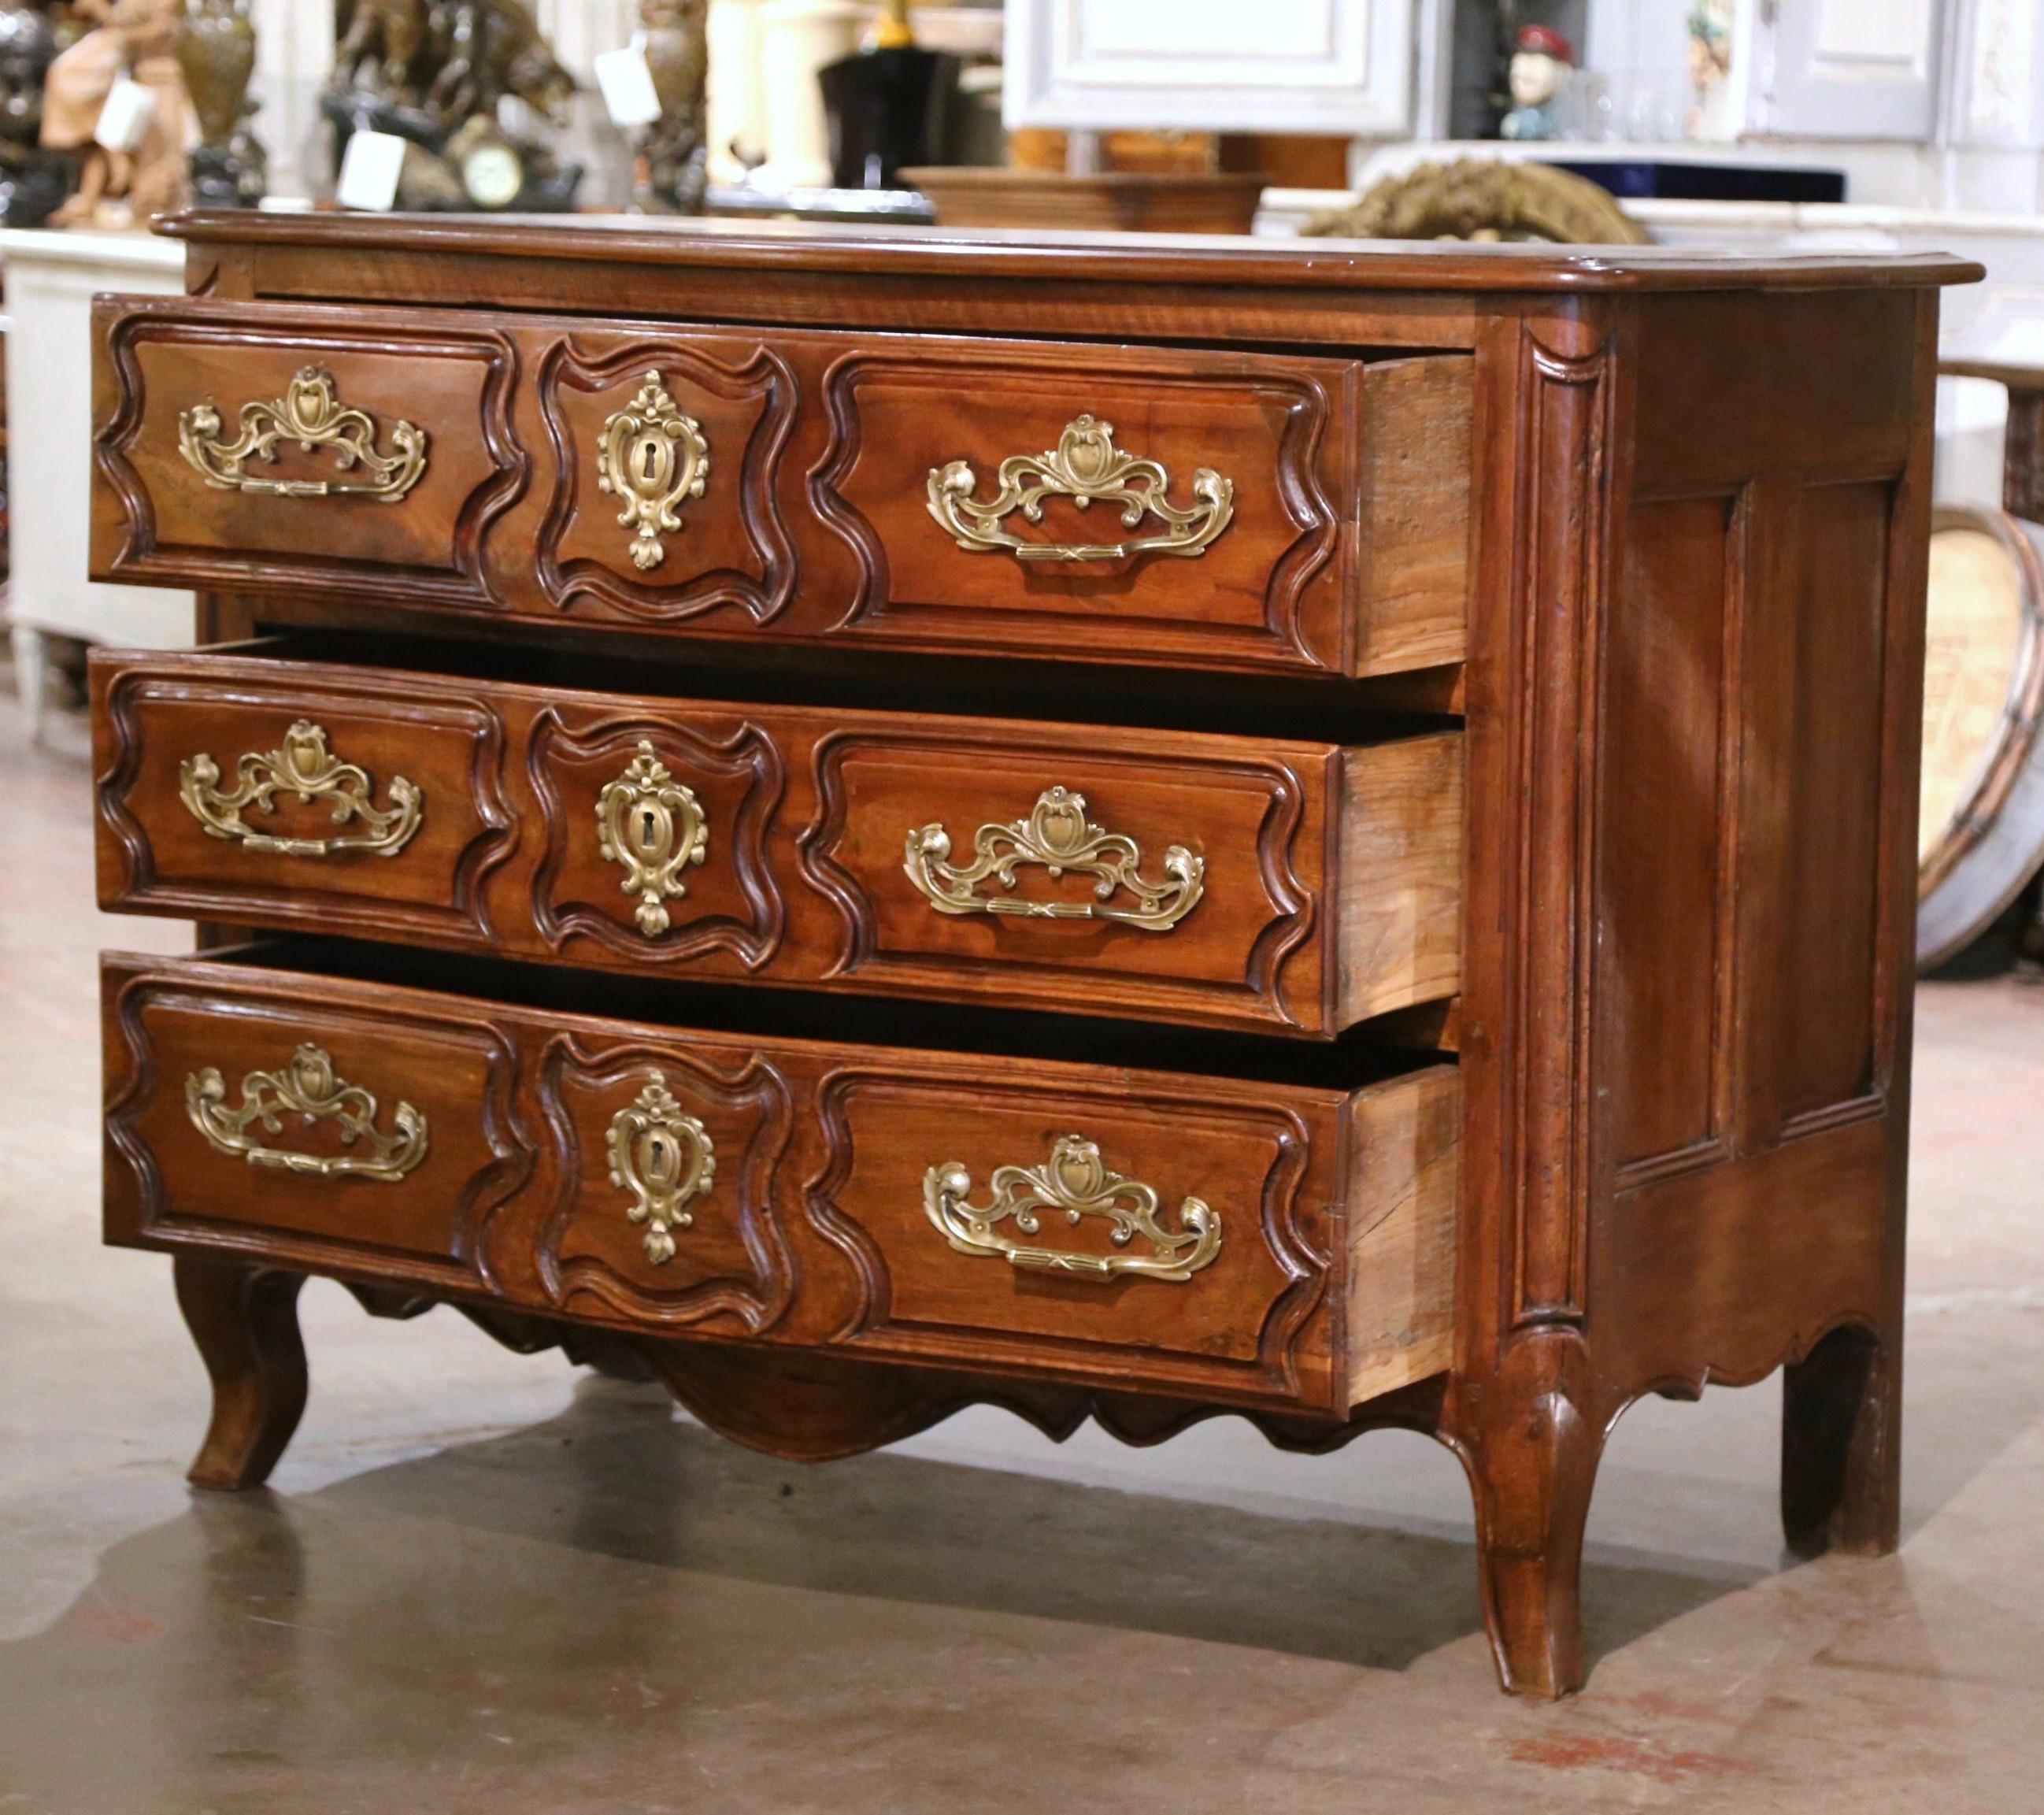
x=483, y=1583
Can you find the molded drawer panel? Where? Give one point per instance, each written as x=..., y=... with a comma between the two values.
x=1295, y=887
x=1146, y=505
x=1265, y=1243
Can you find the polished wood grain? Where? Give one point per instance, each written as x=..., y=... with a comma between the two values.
x=815, y=1230
x=1346, y=551
x=1640, y=534
x=1332, y=879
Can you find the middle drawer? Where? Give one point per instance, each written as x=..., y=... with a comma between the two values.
x=1299, y=887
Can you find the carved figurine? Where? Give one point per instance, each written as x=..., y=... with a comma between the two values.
x=34, y=182
x=217, y=51
x=674, y=158
x=434, y=72
x=1542, y=65
x=137, y=39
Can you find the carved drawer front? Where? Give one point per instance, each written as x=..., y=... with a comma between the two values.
x=297, y=800
x=351, y=1135
x=1273, y=1244
x=246, y=444
x=1154, y=505
x=1297, y=888
x=1206, y=879
x=1074, y=1219
x=996, y=498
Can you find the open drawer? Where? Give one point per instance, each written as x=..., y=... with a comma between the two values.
x=1260, y=1241
x=1292, y=887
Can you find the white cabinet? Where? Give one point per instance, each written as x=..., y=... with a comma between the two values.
x=1846, y=69
x=51, y=279
x=1297, y=66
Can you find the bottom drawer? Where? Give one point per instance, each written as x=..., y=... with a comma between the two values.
x=1270, y=1243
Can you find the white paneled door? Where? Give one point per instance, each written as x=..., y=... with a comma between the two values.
x=1298, y=65
x=1850, y=69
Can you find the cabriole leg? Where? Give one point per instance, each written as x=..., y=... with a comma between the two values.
x=1532, y=1475
x=245, y=1322
x=1841, y=1446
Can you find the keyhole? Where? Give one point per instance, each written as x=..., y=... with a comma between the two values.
x=662, y=1162
x=651, y=458
x=652, y=835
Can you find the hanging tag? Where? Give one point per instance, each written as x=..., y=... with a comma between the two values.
x=370, y=170
x=124, y=120
x=626, y=79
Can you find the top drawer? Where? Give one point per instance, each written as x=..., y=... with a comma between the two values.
x=1131, y=504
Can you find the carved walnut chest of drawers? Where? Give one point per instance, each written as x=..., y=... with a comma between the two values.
x=1133, y=830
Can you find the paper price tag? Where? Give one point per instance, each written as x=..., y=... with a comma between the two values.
x=626, y=79
x=370, y=170
x=124, y=120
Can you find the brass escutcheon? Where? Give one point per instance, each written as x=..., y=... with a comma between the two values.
x=656, y=459
x=666, y=1159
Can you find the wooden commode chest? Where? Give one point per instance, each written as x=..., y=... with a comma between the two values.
x=1130, y=829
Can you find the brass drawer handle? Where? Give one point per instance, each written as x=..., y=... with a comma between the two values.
x=307, y=1088
x=653, y=826
x=666, y=1159
x=311, y=415
x=1058, y=837
x=303, y=765
x=656, y=459
x=1076, y=1182
x=1087, y=467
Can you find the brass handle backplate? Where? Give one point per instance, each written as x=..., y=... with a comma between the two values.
x=311, y=415
x=1076, y=1184
x=1057, y=836
x=666, y=1159
x=653, y=826
x=307, y=1090
x=1087, y=467
x=656, y=459
x=303, y=765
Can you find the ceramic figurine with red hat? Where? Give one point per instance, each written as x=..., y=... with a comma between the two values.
x=1542, y=65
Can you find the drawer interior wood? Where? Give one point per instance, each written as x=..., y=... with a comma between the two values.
x=1270, y=1242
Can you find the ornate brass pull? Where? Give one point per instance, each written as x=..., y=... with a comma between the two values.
x=1058, y=837
x=307, y=1088
x=1087, y=467
x=1076, y=1182
x=302, y=766
x=655, y=828
x=309, y=414
x=665, y=1158
x=656, y=459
